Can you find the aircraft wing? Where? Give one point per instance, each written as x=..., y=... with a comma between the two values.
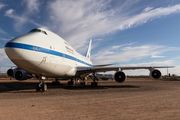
x=86, y=70
x=104, y=65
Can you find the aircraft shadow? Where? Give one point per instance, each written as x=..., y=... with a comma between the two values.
x=88, y=87
x=18, y=86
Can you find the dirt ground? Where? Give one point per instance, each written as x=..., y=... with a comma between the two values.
x=135, y=99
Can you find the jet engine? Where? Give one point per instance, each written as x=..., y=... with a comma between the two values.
x=120, y=76
x=22, y=75
x=156, y=74
x=11, y=72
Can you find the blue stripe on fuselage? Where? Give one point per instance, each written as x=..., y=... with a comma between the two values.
x=43, y=50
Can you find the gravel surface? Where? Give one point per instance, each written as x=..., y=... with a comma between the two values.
x=135, y=99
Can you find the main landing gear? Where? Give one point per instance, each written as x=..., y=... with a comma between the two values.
x=56, y=82
x=71, y=82
x=94, y=83
x=83, y=83
x=42, y=86
x=76, y=81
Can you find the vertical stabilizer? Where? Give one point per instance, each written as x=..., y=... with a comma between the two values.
x=88, y=54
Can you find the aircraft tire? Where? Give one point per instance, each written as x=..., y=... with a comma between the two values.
x=38, y=88
x=71, y=83
x=94, y=84
x=44, y=87
x=83, y=83
x=55, y=82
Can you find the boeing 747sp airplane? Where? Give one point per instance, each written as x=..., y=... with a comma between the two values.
x=41, y=53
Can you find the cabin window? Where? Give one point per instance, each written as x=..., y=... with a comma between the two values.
x=38, y=30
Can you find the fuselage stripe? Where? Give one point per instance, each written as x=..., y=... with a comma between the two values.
x=43, y=50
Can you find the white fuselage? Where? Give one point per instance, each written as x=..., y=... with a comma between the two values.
x=45, y=54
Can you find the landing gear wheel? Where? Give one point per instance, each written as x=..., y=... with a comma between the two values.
x=71, y=83
x=94, y=84
x=38, y=88
x=44, y=87
x=55, y=82
x=83, y=83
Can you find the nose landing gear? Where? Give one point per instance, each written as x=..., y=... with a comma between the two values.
x=42, y=86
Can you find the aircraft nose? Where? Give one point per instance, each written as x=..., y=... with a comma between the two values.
x=14, y=48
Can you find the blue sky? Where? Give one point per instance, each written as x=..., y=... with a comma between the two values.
x=127, y=32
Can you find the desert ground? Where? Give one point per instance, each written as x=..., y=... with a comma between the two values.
x=135, y=99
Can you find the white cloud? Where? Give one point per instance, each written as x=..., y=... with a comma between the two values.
x=155, y=55
x=9, y=12
x=85, y=18
x=2, y=31
x=2, y=5
x=175, y=70
x=154, y=63
x=21, y=19
x=32, y=5
x=4, y=69
x=3, y=55
x=126, y=54
x=97, y=40
x=148, y=9
x=5, y=39
x=4, y=61
x=78, y=21
x=118, y=46
x=149, y=15
x=167, y=63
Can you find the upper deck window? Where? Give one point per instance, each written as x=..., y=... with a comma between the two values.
x=38, y=30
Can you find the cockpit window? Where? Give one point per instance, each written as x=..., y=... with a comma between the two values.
x=38, y=30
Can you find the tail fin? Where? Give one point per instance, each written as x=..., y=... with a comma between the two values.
x=88, y=54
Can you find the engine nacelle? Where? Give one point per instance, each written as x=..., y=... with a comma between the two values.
x=22, y=75
x=120, y=76
x=156, y=74
x=11, y=72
